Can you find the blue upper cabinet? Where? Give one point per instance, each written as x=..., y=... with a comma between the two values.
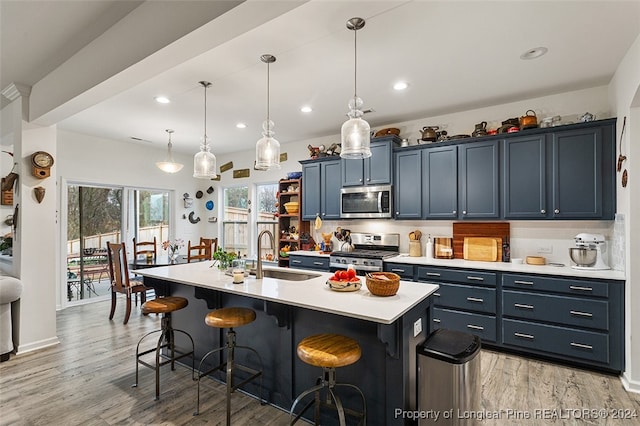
x=408, y=185
x=375, y=170
x=440, y=182
x=321, y=189
x=524, y=177
x=479, y=182
x=310, y=191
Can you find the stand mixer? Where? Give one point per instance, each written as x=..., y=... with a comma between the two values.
x=588, y=253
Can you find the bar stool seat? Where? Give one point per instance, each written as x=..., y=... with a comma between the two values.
x=164, y=306
x=230, y=318
x=328, y=351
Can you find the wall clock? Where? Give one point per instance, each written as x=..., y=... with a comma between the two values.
x=41, y=163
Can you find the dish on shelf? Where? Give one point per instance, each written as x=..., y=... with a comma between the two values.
x=345, y=285
x=284, y=253
x=292, y=207
x=294, y=175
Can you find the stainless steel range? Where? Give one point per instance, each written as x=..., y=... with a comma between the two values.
x=368, y=253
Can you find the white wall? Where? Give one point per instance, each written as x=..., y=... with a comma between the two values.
x=624, y=93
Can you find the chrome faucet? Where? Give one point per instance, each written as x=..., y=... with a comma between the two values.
x=273, y=245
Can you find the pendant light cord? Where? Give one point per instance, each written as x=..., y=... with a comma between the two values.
x=355, y=65
x=268, y=117
x=205, y=114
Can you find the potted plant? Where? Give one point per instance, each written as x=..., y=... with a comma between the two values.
x=223, y=258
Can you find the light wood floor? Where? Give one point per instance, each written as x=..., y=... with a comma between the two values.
x=86, y=380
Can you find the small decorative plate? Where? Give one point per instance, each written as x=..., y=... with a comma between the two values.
x=209, y=205
x=344, y=285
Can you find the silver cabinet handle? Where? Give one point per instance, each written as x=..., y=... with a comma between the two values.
x=525, y=336
x=436, y=294
x=360, y=180
x=368, y=179
x=323, y=213
x=475, y=278
x=543, y=211
x=397, y=270
x=296, y=261
x=520, y=305
x=433, y=274
x=455, y=212
x=397, y=213
x=556, y=211
x=318, y=263
x=475, y=299
x=464, y=212
x=523, y=282
x=436, y=320
x=581, y=346
x=475, y=327
x=581, y=314
x=577, y=287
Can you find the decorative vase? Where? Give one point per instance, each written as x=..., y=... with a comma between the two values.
x=173, y=255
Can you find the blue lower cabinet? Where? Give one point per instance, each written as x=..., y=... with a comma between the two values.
x=316, y=263
x=405, y=271
x=564, y=341
x=478, y=299
x=483, y=326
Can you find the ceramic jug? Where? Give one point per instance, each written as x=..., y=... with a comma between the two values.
x=480, y=130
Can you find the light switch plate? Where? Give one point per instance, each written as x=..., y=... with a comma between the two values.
x=417, y=327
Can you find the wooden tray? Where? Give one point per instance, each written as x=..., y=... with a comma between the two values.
x=484, y=249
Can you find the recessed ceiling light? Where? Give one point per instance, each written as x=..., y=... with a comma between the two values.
x=534, y=53
x=162, y=100
x=401, y=85
x=306, y=109
x=241, y=126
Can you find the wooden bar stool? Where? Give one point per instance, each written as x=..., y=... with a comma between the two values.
x=329, y=351
x=229, y=318
x=165, y=306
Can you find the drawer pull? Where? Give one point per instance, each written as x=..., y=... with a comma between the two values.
x=520, y=305
x=523, y=282
x=296, y=261
x=525, y=336
x=475, y=327
x=577, y=287
x=581, y=314
x=581, y=346
x=318, y=263
x=397, y=270
x=475, y=299
x=436, y=320
x=436, y=294
x=472, y=278
x=433, y=274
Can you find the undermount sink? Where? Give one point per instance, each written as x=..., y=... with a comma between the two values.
x=288, y=275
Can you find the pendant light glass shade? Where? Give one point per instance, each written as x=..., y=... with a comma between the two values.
x=204, y=162
x=267, y=147
x=355, y=132
x=168, y=165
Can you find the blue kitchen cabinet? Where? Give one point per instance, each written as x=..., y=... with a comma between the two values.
x=524, y=177
x=408, y=184
x=375, y=170
x=479, y=182
x=321, y=189
x=440, y=182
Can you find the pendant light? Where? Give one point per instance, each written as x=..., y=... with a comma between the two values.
x=267, y=148
x=356, y=132
x=169, y=165
x=204, y=162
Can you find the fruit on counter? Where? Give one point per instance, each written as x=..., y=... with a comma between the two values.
x=345, y=276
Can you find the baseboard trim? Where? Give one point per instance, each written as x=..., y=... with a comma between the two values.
x=34, y=346
x=630, y=385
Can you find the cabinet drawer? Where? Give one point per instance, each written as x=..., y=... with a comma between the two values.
x=480, y=325
x=309, y=262
x=556, y=285
x=581, y=312
x=405, y=271
x=570, y=342
x=456, y=276
x=480, y=299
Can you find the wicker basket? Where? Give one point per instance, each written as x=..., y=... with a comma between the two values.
x=379, y=287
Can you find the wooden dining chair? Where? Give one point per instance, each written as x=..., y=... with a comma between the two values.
x=212, y=245
x=145, y=248
x=198, y=253
x=120, y=282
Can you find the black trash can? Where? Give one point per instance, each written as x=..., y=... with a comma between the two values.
x=449, y=383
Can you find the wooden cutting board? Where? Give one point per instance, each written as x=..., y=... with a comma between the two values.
x=485, y=249
x=476, y=229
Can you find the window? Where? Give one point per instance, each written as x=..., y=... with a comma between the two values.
x=151, y=216
x=236, y=220
x=266, y=202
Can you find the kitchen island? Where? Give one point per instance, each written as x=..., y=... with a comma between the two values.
x=387, y=328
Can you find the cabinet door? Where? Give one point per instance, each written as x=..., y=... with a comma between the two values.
x=577, y=173
x=408, y=185
x=440, y=182
x=524, y=177
x=352, y=172
x=479, y=180
x=310, y=191
x=377, y=168
x=330, y=190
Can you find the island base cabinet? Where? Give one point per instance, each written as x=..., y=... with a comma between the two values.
x=563, y=341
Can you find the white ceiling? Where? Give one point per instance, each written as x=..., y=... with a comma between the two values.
x=96, y=66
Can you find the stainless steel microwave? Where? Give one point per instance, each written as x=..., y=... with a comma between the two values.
x=366, y=202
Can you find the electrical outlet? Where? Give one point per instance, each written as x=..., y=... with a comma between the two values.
x=548, y=249
x=417, y=327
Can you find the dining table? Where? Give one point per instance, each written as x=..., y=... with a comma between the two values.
x=161, y=260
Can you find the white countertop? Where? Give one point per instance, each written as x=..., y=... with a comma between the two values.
x=310, y=253
x=509, y=267
x=310, y=294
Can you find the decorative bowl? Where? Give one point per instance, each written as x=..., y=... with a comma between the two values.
x=294, y=175
x=383, y=283
x=292, y=207
x=284, y=253
x=344, y=285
